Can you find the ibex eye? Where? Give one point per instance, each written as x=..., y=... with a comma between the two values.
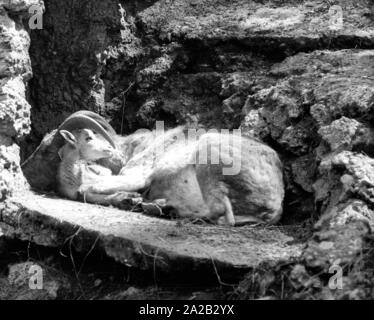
x=88, y=139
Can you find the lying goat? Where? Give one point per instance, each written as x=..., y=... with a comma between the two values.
x=78, y=170
x=255, y=193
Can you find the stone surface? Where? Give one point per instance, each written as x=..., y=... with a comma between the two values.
x=305, y=23
x=212, y=64
x=340, y=133
x=340, y=245
x=145, y=242
x=344, y=176
x=346, y=213
x=320, y=104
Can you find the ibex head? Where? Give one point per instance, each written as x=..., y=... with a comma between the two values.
x=86, y=144
x=88, y=134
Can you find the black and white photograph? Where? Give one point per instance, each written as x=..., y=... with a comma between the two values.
x=202, y=151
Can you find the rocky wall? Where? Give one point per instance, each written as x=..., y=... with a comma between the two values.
x=15, y=72
x=296, y=74
x=69, y=55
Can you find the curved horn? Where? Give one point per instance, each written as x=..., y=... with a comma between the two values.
x=79, y=120
x=99, y=119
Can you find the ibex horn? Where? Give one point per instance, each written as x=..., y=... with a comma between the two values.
x=98, y=118
x=85, y=120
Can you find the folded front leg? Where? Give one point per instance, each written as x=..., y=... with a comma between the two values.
x=113, y=184
x=118, y=199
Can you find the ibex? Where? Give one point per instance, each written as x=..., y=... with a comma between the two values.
x=194, y=188
x=78, y=169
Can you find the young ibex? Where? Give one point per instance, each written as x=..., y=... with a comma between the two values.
x=78, y=169
x=194, y=188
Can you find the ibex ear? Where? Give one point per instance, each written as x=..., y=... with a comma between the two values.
x=68, y=136
x=60, y=153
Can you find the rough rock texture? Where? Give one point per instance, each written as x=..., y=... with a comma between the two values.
x=15, y=71
x=320, y=112
x=145, y=242
x=299, y=21
x=320, y=104
x=287, y=72
x=16, y=286
x=189, y=61
x=79, y=37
